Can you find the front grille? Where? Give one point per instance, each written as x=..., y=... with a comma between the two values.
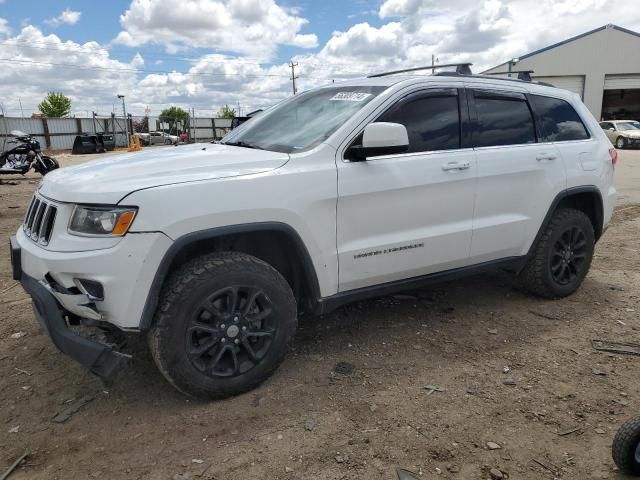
x=38, y=223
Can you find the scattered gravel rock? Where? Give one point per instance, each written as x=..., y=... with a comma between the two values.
x=496, y=474
x=310, y=424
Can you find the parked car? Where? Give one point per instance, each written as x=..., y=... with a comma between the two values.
x=213, y=250
x=162, y=138
x=145, y=138
x=622, y=133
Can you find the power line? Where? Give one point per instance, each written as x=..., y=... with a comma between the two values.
x=77, y=48
x=138, y=70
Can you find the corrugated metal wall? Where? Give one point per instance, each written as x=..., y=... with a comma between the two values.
x=202, y=129
x=61, y=132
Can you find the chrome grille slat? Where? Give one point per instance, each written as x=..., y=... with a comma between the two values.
x=32, y=214
x=26, y=217
x=47, y=225
x=39, y=220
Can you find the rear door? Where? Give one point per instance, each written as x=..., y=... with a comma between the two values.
x=409, y=214
x=518, y=178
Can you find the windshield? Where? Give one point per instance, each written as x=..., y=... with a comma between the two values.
x=629, y=126
x=304, y=122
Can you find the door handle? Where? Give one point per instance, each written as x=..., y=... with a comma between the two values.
x=546, y=156
x=455, y=166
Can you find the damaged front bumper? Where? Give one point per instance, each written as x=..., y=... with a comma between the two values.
x=52, y=308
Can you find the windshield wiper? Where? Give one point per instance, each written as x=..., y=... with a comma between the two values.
x=242, y=144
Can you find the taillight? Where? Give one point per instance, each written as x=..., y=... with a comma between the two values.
x=613, y=153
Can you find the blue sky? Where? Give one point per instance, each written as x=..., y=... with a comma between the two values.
x=100, y=22
x=204, y=54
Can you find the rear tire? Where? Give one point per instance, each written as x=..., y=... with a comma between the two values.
x=223, y=326
x=625, y=448
x=621, y=143
x=562, y=256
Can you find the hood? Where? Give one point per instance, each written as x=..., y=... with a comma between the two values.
x=631, y=133
x=108, y=180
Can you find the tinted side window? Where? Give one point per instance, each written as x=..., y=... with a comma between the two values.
x=558, y=120
x=432, y=121
x=502, y=121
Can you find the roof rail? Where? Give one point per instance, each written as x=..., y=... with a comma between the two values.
x=522, y=74
x=461, y=68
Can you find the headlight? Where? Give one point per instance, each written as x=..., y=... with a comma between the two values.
x=101, y=221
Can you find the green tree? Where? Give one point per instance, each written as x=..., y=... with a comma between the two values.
x=226, y=112
x=55, y=105
x=173, y=116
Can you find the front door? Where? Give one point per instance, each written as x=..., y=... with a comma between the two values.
x=406, y=215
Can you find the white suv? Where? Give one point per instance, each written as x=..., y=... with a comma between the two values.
x=337, y=194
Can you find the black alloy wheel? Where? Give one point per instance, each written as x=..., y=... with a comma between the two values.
x=231, y=331
x=224, y=324
x=568, y=258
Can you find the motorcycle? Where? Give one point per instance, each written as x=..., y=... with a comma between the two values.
x=25, y=155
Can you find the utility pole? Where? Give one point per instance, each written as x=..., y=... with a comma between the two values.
x=293, y=75
x=434, y=60
x=195, y=126
x=126, y=121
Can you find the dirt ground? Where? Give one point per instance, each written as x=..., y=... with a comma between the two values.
x=553, y=413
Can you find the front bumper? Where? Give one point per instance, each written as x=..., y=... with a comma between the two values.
x=632, y=142
x=100, y=359
x=125, y=271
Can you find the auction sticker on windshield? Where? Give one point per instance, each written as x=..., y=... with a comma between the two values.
x=350, y=96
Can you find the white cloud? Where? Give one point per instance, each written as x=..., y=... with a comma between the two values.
x=4, y=28
x=485, y=32
x=254, y=27
x=68, y=17
x=399, y=8
x=41, y=63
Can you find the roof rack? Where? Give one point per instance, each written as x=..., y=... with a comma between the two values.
x=522, y=74
x=461, y=68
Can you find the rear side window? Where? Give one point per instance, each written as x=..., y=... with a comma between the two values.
x=432, y=121
x=502, y=120
x=558, y=121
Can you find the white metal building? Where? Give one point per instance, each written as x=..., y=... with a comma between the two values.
x=602, y=66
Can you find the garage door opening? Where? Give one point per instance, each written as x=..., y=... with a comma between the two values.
x=621, y=104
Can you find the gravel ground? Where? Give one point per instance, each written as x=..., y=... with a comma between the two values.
x=428, y=391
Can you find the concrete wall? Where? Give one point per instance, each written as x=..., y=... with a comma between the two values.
x=607, y=51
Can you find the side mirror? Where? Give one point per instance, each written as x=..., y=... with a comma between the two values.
x=380, y=138
x=611, y=129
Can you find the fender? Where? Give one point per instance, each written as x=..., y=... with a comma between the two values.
x=569, y=192
x=153, y=297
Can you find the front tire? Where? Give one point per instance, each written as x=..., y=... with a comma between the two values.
x=621, y=143
x=223, y=326
x=625, y=449
x=50, y=164
x=562, y=256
